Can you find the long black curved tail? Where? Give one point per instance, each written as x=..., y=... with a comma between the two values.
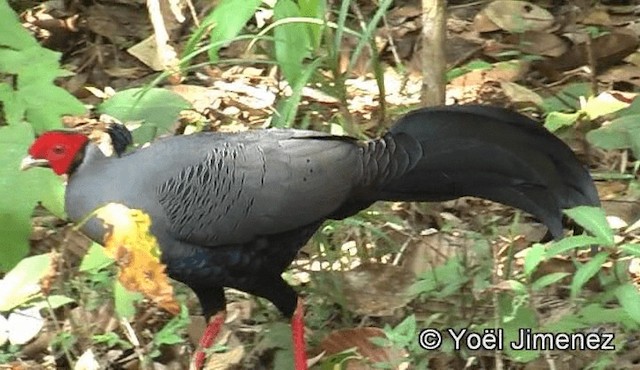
x=443, y=153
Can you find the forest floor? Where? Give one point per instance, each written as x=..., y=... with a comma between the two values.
x=375, y=257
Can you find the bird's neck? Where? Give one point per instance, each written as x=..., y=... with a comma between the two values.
x=85, y=156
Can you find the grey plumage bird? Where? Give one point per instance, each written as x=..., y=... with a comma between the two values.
x=232, y=210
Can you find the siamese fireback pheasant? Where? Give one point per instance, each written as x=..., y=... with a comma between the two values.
x=232, y=210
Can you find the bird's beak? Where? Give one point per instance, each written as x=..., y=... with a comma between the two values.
x=30, y=162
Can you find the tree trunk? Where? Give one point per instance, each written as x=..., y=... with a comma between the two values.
x=433, y=57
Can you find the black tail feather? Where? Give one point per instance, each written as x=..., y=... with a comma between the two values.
x=490, y=153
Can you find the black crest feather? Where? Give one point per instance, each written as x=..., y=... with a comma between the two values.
x=120, y=137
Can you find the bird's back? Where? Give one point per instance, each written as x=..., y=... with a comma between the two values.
x=214, y=189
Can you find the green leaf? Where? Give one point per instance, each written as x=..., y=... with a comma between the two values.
x=565, y=324
x=629, y=299
x=570, y=243
x=547, y=280
x=157, y=108
x=340, y=30
x=601, y=105
x=288, y=107
x=125, y=300
x=557, y=120
x=20, y=191
x=473, y=65
x=95, y=259
x=35, y=96
x=12, y=34
x=227, y=19
x=406, y=330
x=567, y=98
x=586, y=271
x=224, y=23
x=280, y=337
x=111, y=339
x=22, y=283
x=313, y=9
x=533, y=258
x=292, y=41
x=16, y=62
x=54, y=301
x=518, y=287
x=594, y=220
x=522, y=317
x=171, y=332
x=45, y=104
x=12, y=105
x=595, y=313
x=32, y=97
x=621, y=133
x=631, y=248
x=632, y=109
x=368, y=34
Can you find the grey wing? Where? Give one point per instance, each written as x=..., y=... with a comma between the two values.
x=260, y=187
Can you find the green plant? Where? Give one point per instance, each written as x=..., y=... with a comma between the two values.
x=21, y=290
x=64, y=341
x=172, y=332
x=304, y=42
x=590, y=108
x=623, y=132
x=154, y=111
x=9, y=353
x=590, y=310
x=111, y=339
x=31, y=103
x=474, y=65
x=617, y=303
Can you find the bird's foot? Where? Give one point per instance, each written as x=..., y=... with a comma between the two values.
x=209, y=335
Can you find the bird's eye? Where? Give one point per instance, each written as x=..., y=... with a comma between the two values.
x=58, y=149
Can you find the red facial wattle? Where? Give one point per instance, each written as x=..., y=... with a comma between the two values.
x=59, y=148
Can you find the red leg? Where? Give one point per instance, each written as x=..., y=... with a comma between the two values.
x=209, y=335
x=297, y=332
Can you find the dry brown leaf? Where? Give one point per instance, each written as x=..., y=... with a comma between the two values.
x=628, y=211
x=225, y=360
x=118, y=22
x=634, y=59
x=146, y=51
x=248, y=94
x=482, y=23
x=376, y=289
x=369, y=353
x=624, y=73
x=538, y=43
x=519, y=94
x=634, y=268
x=518, y=16
x=597, y=17
x=611, y=190
x=502, y=71
x=137, y=254
x=200, y=97
x=607, y=50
